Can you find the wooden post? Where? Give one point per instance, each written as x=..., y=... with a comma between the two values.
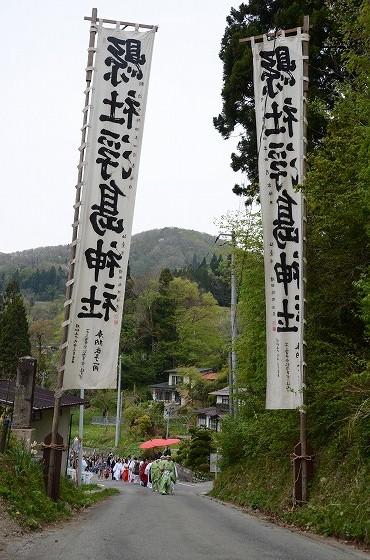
x=300, y=461
x=303, y=414
x=24, y=390
x=23, y=400
x=53, y=475
x=57, y=451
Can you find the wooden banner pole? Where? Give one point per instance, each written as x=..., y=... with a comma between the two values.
x=52, y=484
x=303, y=413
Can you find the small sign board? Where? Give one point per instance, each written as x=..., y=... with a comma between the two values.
x=167, y=412
x=214, y=461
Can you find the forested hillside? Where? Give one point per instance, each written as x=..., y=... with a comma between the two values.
x=257, y=445
x=41, y=273
x=179, y=324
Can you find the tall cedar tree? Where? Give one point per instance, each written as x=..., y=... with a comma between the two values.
x=164, y=322
x=237, y=115
x=14, y=338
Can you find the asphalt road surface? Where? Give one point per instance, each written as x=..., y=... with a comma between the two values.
x=141, y=525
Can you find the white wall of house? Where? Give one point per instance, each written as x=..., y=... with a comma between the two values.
x=207, y=421
x=162, y=395
x=176, y=379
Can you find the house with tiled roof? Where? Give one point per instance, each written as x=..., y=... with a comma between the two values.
x=211, y=417
x=42, y=411
x=168, y=392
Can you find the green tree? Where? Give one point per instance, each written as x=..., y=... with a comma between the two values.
x=105, y=400
x=337, y=189
x=260, y=16
x=201, y=325
x=201, y=444
x=14, y=339
x=42, y=337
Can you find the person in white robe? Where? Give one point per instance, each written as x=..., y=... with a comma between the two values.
x=131, y=466
x=148, y=473
x=117, y=469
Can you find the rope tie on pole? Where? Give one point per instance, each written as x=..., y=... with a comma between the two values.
x=55, y=446
x=306, y=457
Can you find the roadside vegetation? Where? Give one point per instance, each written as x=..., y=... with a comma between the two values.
x=257, y=446
x=22, y=489
x=179, y=318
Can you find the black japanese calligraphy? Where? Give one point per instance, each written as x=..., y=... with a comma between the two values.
x=285, y=228
x=105, y=214
x=275, y=115
x=126, y=60
x=108, y=155
x=285, y=318
x=114, y=105
x=98, y=260
x=289, y=117
x=277, y=155
x=286, y=273
x=89, y=311
x=277, y=70
x=108, y=299
x=131, y=107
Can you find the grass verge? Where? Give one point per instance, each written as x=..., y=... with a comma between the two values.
x=339, y=503
x=22, y=488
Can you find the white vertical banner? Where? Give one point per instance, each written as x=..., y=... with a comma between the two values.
x=278, y=87
x=119, y=92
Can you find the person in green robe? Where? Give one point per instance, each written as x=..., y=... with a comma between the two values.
x=167, y=475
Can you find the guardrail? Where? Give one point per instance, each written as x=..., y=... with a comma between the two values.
x=104, y=420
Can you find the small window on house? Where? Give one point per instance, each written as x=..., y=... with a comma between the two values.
x=225, y=400
x=202, y=421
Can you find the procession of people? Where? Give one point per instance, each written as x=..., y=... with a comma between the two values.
x=158, y=473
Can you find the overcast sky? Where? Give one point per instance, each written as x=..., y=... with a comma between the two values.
x=185, y=179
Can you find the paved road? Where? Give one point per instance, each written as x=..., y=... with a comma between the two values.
x=140, y=525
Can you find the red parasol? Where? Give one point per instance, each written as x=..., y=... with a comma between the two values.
x=158, y=443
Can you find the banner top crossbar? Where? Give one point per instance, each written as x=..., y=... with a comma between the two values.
x=305, y=28
x=124, y=23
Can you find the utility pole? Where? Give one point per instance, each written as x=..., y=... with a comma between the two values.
x=168, y=412
x=234, y=330
x=233, y=400
x=119, y=405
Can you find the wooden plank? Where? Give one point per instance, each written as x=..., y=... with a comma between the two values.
x=125, y=23
x=272, y=35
